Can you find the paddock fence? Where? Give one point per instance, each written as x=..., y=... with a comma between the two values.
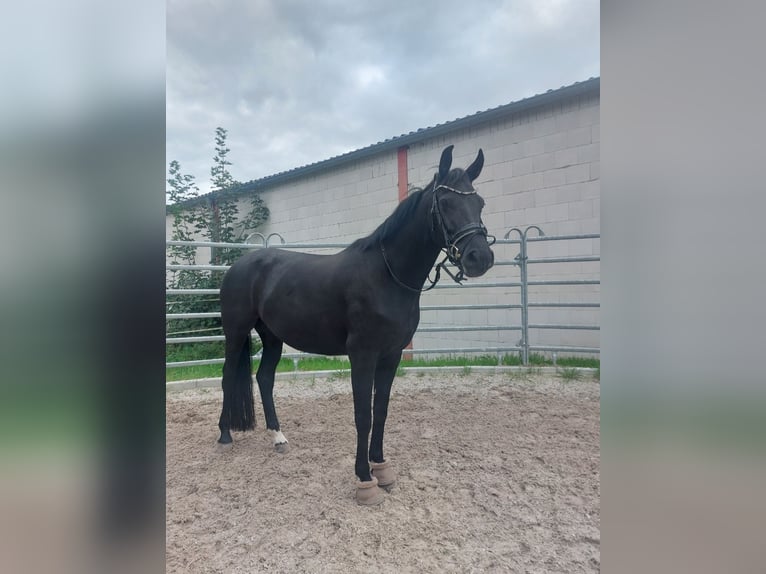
x=516, y=277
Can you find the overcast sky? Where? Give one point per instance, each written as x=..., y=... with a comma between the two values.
x=299, y=81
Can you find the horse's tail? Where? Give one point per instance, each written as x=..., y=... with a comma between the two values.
x=238, y=391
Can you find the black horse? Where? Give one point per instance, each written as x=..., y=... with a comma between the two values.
x=362, y=302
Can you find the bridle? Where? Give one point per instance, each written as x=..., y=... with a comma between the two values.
x=451, y=241
x=450, y=247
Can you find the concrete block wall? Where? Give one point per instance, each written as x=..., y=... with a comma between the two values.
x=541, y=168
x=338, y=206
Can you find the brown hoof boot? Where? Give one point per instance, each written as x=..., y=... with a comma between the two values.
x=384, y=473
x=368, y=493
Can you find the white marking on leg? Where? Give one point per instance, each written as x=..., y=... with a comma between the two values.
x=277, y=437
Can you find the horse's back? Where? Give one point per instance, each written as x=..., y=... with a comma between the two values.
x=271, y=268
x=300, y=297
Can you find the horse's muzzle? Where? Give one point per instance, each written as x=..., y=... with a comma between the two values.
x=477, y=258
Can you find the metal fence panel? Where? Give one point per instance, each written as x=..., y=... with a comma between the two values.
x=522, y=261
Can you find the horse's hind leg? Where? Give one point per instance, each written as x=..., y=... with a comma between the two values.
x=237, y=412
x=272, y=353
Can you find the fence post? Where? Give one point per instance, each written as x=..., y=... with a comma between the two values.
x=522, y=263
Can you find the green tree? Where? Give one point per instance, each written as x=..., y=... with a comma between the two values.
x=213, y=218
x=181, y=188
x=225, y=223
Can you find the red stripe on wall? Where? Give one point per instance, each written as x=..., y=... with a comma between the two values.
x=401, y=164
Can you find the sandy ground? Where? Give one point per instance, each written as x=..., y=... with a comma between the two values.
x=497, y=473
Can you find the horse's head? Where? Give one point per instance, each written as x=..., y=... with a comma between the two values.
x=456, y=216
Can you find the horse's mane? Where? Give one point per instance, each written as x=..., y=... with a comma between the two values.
x=402, y=214
x=391, y=226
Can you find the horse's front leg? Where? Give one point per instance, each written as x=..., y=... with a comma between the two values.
x=384, y=377
x=362, y=375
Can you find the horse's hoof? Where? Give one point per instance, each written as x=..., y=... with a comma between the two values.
x=368, y=493
x=279, y=441
x=384, y=473
x=223, y=446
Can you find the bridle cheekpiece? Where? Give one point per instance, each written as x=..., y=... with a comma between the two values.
x=450, y=247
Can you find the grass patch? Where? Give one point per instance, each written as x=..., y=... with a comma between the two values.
x=579, y=362
x=460, y=361
x=539, y=360
x=193, y=351
x=314, y=364
x=524, y=374
x=339, y=375
x=341, y=366
x=196, y=372
x=569, y=374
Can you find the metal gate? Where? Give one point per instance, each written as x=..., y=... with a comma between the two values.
x=514, y=237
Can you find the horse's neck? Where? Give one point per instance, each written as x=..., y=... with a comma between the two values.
x=412, y=252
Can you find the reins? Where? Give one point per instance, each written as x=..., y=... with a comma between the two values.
x=399, y=282
x=450, y=248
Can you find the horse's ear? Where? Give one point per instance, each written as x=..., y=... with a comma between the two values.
x=474, y=169
x=445, y=162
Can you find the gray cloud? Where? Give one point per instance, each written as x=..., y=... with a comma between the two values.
x=296, y=82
